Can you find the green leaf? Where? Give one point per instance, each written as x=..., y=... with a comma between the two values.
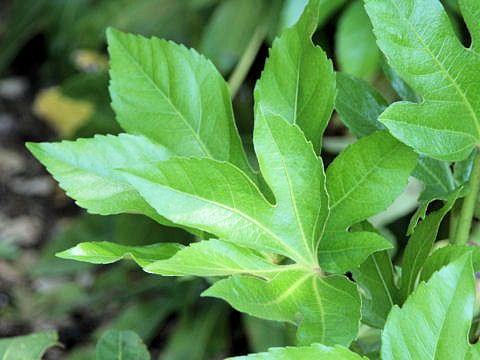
x=366, y=178
x=420, y=44
x=298, y=81
x=28, y=347
x=219, y=198
x=437, y=178
x=293, y=9
x=463, y=169
x=342, y=251
x=143, y=317
x=362, y=181
x=400, y=86
x=446, y=255
x=121, y=345
x=355, y=45
x=470, y=11
x=199, y=336
x=182, y=101
x=359, y=105
x=104, y=252
x=473, y=352
x=216, y=258
x=375, y=276
x=241, y=18
x=85, y=170
x=329, y=306
x=434, y=322
x=313, y=352
x=265, y=334
x=419, y=246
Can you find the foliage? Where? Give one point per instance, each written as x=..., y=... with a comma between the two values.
x=29, y=347
x=281, y=238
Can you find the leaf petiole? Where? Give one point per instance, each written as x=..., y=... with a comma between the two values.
x=465, y=221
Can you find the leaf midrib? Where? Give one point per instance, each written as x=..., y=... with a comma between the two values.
x=291, y=289
x=437, y=340
x=442, y=69
x=314, y=258
x=382, y=279
x=167, y=99
x=292, y=252
x=409, y=280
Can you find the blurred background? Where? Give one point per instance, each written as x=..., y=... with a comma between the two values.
x=54, y=86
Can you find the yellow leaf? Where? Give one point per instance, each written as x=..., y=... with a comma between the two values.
x=61, y=112
x=89, y=60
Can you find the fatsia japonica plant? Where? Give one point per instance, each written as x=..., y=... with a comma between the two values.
x=277, y=242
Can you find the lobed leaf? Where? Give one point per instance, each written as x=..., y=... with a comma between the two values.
x=420, y=44
x=362, y=181
x=298, y=81
x=327, y=310
x=366, y=178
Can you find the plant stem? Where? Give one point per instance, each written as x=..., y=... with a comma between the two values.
x=468, y=207
x=241, y=70
x=454, y=215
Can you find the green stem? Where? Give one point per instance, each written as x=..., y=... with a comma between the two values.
x=241, y=70
x=468, y=207
x=454, y=215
